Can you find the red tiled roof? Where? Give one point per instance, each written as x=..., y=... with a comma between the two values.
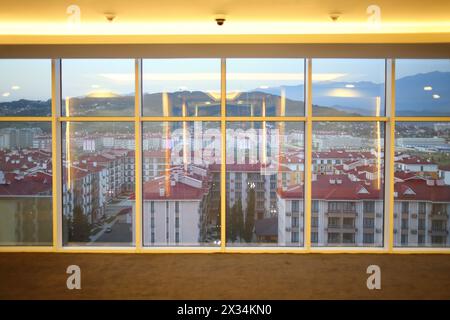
x=422, y=191
x=180, y=191
x=415, y=160
x=347, y=190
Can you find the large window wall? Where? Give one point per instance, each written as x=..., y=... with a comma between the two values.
x=225, y=155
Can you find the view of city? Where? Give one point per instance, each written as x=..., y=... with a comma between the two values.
x=264, y=160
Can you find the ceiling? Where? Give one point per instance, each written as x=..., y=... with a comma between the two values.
x=236, y=10
x=26, y=18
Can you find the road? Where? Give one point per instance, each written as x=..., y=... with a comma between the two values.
x=121, y=233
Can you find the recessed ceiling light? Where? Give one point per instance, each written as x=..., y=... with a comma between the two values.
x=15, y=87
x=264, y=87
x=6, y=94
x=436, y=96
x=427, y=88
x=95, y=86
x=349, y=85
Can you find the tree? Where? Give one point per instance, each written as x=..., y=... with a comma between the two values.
x=239, y=227
x=80, y=226
x=231, y=217
x=250, y=214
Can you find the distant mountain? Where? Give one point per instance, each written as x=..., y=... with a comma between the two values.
x=412, y=99
x=359, y=97
x=26, y=108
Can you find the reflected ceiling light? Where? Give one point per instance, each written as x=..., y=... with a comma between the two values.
x=102, y=94
x=343, y=93
x=349, y=85
x=6, y=94
x=436, y=96
x=427, y=88
x=15, y=88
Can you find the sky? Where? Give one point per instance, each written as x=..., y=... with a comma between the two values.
x=31, y=79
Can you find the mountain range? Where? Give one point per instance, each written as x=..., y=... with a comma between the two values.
x=420, y=94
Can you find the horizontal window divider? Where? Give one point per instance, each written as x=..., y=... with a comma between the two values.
x=176, y=119
x=86, y=249
x=349, y=119
x=97, y=119
x=237, y=119
x=26, y=119
x=266, y=250
x=422, y=119
x=16, y=249
x=420, y=250
x=180, y=250
x=336, y=250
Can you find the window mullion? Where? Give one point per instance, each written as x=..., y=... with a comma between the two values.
x=308, y=154
x=389, y=156
x=138, y=155
x=56, y=155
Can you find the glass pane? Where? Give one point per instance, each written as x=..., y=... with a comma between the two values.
x=422, y=184
x=265, y=87
x=177, y=87
x=98, y=183
x=25, y=183
x=25, y=87
x=181, y=176
x=348, y=184
x=422, y=87
x=265, y=179
x=348, y=87
x=98, y=87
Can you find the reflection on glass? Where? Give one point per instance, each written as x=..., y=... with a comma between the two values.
x=348, y=87
x=347, y=184
x=181, y=176
x=25, y=87
x=265, y=87
x=265, y=182
x=98, y=183
x=422, y=87
x=181, y=87
x=25, y=183
x=98, y=87
x=422, y=184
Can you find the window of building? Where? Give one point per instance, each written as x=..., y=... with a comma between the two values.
x=422, y=207
x=294, y=237
x=368, y=238
x=368, y=222
x=369, y=206
x=314, y=222
x=334, y=222
x=334, y=238
x=405, y=207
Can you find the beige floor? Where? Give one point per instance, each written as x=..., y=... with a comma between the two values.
x=223, y=276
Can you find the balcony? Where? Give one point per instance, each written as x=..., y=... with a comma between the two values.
x=342, y=213
x=438, y=232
